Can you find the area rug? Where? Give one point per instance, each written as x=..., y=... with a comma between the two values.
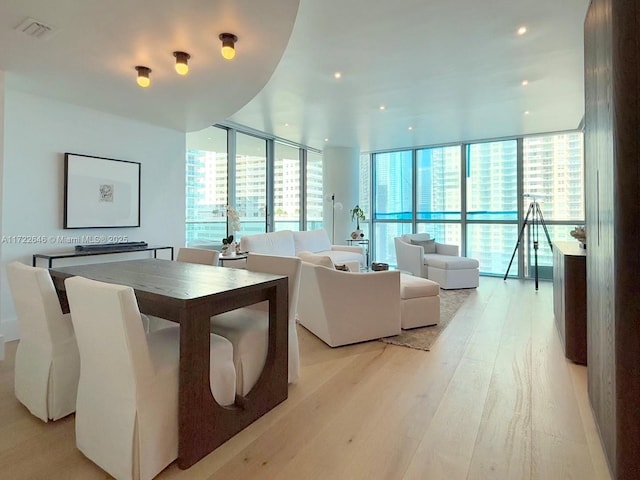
x=424, y=337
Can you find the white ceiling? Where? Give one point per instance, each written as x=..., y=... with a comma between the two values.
x=450, y=69
x=90, y=58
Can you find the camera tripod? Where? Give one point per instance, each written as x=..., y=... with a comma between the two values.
x=537, y=220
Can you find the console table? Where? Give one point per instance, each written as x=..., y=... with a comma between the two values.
x=570, y=298
x=50, y=257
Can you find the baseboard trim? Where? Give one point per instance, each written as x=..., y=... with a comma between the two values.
x=1, y=348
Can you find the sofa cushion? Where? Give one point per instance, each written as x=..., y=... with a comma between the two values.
x=273, y=243
x=429, y=246
x=340, y=256
x=314, y=241
x=315, y=259
x=449, y=262
x=417, y=287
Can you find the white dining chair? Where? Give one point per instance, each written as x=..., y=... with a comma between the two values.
x=247, y=328
x=198, y=255
x=47, y=364
x=127, y=407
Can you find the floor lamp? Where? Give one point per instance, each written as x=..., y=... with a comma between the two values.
x=334, y=206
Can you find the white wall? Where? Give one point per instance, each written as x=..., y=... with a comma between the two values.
x=341, y=176
x=37, y=133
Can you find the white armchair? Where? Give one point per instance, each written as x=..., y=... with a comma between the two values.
x=444, y=265
x=348, y=307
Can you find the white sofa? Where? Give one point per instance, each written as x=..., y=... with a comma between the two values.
x=289, y=243
x=445, y=266
x=348, y=307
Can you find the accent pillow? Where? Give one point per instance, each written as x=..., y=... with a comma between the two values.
x=429, y=246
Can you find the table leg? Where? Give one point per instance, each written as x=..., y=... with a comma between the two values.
x=203, y=424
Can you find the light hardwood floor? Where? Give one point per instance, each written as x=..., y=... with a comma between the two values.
x=494, y=399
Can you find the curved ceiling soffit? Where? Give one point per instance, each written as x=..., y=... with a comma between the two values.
x=90, y=58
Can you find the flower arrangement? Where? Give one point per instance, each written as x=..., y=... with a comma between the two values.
x=234, y=218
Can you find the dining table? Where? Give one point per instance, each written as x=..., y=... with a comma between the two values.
x=189, y=294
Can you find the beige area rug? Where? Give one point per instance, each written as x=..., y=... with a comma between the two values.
x=424, y=337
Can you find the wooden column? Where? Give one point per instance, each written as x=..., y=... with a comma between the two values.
x=612, y=155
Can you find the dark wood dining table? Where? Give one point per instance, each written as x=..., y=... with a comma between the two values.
x=190, y=294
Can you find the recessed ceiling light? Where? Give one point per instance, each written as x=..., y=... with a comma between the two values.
x=526, y=112
x=286, y=124
x=326, y=139
x=337, y=75
x=382, y=107
x=410, y=128
x=525, y=83
x=522, y=30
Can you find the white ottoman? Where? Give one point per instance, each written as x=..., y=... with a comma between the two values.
x=419, y=302
x=454, y=272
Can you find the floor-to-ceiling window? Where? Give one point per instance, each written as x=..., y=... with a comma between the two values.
x=268, y=182
x=287, y=187
x=314, y=191
x=206, y=187
x=492, y=204
x=250, y=198
x=477, y=195
x=553, y=180
x=392, y=200
x=439, y=193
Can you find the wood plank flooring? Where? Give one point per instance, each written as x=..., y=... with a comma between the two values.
x=494, y=399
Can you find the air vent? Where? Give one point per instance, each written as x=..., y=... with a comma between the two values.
x=36, y=29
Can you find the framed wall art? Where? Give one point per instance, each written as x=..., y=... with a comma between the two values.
x=100, y=192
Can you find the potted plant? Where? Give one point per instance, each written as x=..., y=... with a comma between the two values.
x=357, y=214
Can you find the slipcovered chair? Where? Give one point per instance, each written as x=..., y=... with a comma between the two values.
x=247, y=328
x=127, y=407
x=348, y=307
x=421, y=256
x=47, y=363
x=198, y=255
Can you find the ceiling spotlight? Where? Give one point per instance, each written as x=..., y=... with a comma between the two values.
x=525, y=83
x=410, y=128
x=337, y=75
x=522, y=30
x=326, y=139
x=526, y=112
x=143, y=76
x=382, y=107
x=182, y=65
x=228, y=45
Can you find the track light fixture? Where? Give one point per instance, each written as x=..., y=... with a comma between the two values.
x=228, y=45
x=182, y=65
x=143, y=76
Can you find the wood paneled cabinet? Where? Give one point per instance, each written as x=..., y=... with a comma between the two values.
x=570, y=298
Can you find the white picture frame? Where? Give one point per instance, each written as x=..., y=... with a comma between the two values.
x=100, y=192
